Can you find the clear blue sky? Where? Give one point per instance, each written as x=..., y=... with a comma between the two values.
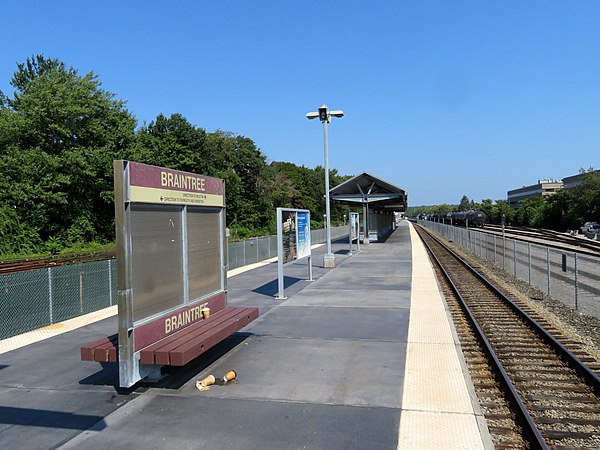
x=442, y=98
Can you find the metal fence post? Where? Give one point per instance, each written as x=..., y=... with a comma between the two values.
x=81, y=288
x=50, y=307
x=529, y=262
x=110, y=293
x=548, y=266
x=515, y=256
x=481, y=245
x=503, y=252
x=244, y=252
x=576, y=290
x=495, y=256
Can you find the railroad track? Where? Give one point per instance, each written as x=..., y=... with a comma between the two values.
x=534, y=391
x=550, y=238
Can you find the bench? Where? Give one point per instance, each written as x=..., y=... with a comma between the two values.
x=181, y=347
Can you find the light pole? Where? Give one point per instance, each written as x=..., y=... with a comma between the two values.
x=325, y=115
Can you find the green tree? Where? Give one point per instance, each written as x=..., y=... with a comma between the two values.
x=465, y=204
x=586, y=198
x=501, y=208
x=487, y=206
x=302, y=187
x=557, y=212
x=58, y=136
x=530, y=213
x=172, y=142
x=175, y=143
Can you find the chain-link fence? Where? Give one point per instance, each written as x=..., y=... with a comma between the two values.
x=254, y=250
x=567, y=276
x=38, y=298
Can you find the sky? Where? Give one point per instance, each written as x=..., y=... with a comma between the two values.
x=441, y=98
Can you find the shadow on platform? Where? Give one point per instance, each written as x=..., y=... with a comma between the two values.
x=48, y=419
x=272, y=288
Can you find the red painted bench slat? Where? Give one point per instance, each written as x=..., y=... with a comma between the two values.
x=198, y=344
x=104, y=350
x=158, y=353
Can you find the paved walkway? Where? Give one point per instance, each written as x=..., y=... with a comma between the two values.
x=362, y=357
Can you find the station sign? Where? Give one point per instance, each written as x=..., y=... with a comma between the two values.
x=158, y=185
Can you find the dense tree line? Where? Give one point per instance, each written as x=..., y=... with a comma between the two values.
x=60, y=132
x=565, y=210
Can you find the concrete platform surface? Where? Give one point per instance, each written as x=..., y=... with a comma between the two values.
x=351, y=360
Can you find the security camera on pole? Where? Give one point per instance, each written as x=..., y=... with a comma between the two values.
x=325, y=115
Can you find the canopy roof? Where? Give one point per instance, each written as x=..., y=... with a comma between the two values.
x=366, y=188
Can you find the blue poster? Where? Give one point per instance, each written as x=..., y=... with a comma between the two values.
x=303, y=234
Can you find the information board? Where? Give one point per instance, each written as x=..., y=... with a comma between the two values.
x=354, y=230
x=289, y=236
x=171, y=257
x=354, y=226
x=293, y=241
x=303, y=234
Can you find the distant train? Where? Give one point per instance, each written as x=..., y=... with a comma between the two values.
x=476, y=219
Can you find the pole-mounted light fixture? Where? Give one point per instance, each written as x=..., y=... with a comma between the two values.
x=325, y=115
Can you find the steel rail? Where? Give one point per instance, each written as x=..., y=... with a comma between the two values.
x=531, y=431
x=590, y=377
x=554, y=240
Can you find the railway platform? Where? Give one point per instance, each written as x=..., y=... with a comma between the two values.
x=363, y=357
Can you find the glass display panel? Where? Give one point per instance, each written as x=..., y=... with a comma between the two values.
x=156, y=251
x=288, y=227
x=204, y=251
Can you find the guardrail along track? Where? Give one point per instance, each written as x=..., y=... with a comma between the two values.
x=553, y=395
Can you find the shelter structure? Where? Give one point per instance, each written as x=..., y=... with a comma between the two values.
x=378, y=198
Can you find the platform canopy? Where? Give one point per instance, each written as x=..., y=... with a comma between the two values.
x=367, y=189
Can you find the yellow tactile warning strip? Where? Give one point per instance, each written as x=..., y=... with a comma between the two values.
x=437, y=411
x=431, y=430
x=40, y=334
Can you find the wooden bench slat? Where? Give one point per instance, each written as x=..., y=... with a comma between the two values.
x=158, y=353
x=192, y=329
x=99, y=349
x=182, y=346
x=234, y=317
x=195, y=347
x=200, y=342
x=107, y=352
